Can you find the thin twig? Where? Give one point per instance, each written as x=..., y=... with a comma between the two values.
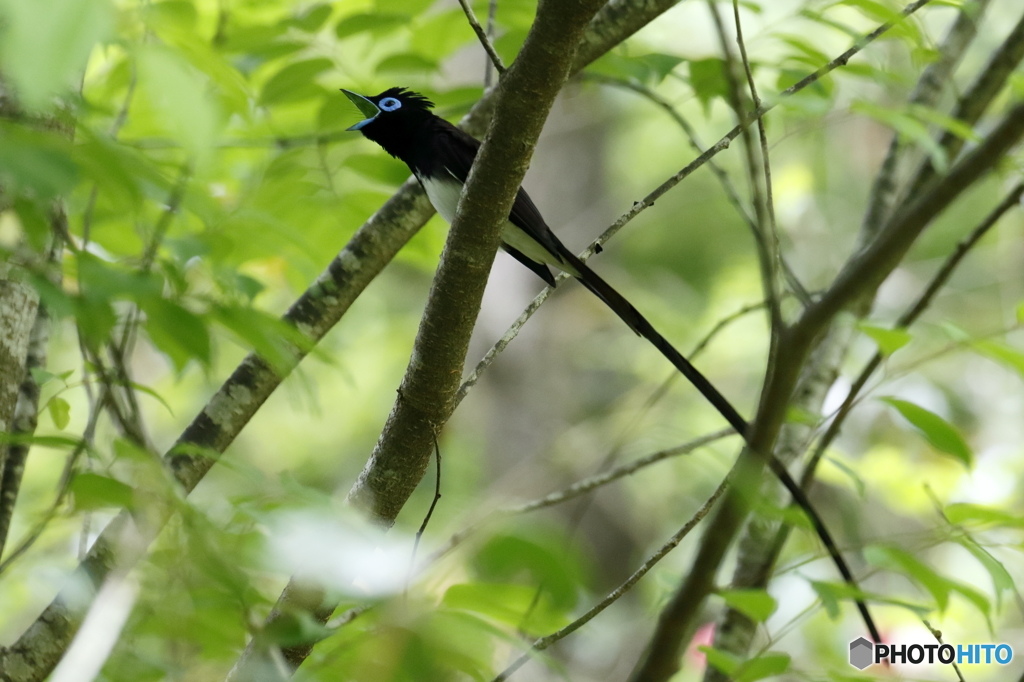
x=937, y=634
x=577, y=489
x=492, y=15
x=482, y=35
x=430, y=511
x=723, y=177
x=614, y=595
x=762, y=238
x=905, y=320
x=772, y=228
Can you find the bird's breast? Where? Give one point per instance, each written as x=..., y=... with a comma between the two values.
x=443, y=192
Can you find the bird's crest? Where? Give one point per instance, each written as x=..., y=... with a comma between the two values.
x=408, y=96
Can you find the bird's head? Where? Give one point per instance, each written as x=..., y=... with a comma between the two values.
x=395, y=107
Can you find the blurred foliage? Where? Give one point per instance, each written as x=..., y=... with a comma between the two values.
x=209, y=178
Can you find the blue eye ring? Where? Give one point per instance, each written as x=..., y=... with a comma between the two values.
x=389, y=104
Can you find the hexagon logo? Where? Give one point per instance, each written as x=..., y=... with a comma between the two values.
x=861, y=653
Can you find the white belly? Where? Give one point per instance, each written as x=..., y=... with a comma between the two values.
x=444, y=195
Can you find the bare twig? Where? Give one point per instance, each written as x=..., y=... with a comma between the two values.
x=430, y=510
x=614, y=595
x=763, y=239
x=314, y=313
x=492, y=15
x=861, y=275
x=485, y=41
x=762, y=540
x=772, y=232
x=939, y=280
x=938, y=638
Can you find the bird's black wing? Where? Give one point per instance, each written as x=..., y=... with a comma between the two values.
x=455, y=150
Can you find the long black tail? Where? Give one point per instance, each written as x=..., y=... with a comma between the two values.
x=639, y=324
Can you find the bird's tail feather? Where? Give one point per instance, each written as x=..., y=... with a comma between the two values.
x=639, y=324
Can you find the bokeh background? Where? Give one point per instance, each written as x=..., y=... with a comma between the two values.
x=246, y=93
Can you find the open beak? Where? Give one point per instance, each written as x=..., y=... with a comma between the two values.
x=365, y=106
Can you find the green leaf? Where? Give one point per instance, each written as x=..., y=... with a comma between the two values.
x=505, y=558
x=408, y=62
x=179, y=95
x=92, y=491
x=33, y=221
x=795, y=414
x=441, y=34
x=707, y=78
x=757, y=605
x=38, y=163
x=45, y=44
x=858, y=482
x=936, y=430
x=765, y=665
x=832, y=593
x=963, y=512
x=888, y=340
x=272, y=338
x=1001, y=352
x=513, y=605
x=178, y=332
x=660, y=65
x=908, y=127
x=813, y=100
x=376, y=23
x=1001, y=579
x=60, y=412
x=900, y=561
x=808, y=54
x=312, y=19
x=108, y=281
x=56, y=442
x=294, y=82
x=379, y=167
x=725, y=661
x=95, y=318
x=947, y=123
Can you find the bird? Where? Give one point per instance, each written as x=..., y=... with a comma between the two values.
x=440, y=155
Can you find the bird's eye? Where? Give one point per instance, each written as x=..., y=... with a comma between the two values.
x=389, y=104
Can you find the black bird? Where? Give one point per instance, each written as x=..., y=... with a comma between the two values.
x=440, y=155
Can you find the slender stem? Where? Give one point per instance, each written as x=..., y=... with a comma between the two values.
x=576, y=490
x=485, y=41
x=773, y=232
x=762, y=238
x=939, y=280
x=614, y=595
x=492, y=15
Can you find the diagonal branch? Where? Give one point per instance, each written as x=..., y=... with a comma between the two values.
x=862, y=274
x=314, y=314
x=485, y=40
x=762, y=540
x=614, y=595
x=939, y=280
x=764, y=239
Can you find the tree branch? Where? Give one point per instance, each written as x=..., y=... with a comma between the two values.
x=426, y=397
x=26, y=409
x=938, y=281
x=485, y=41
x=764, y=240
x=314, y=313
x=614, y=595
x=762, y=540
x=865, y=270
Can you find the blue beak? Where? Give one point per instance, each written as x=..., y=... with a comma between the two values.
x=365, y=106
